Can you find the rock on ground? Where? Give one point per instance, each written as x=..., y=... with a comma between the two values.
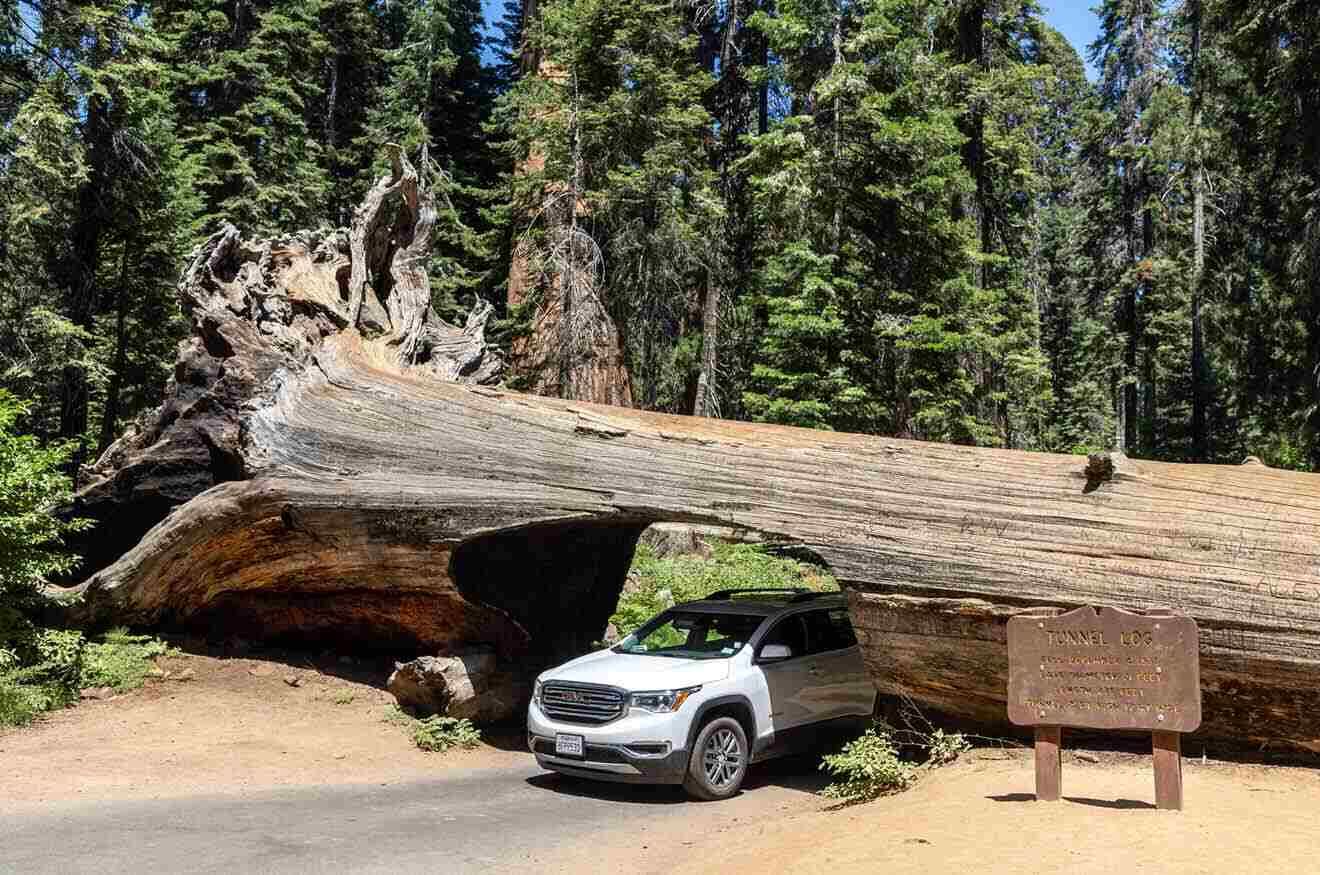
x=469, y=683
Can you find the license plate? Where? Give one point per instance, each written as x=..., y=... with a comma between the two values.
x=569, y=746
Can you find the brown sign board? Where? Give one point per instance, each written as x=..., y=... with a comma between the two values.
x=1105, y=669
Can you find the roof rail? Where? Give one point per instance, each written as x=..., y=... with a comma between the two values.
x=809, y=595
x=797, y=591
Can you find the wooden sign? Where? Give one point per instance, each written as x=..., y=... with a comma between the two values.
x=1105, y=669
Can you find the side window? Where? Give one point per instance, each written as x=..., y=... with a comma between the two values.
x=789, y=631
x=828, y=630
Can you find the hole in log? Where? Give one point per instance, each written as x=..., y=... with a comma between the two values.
x=558, y=581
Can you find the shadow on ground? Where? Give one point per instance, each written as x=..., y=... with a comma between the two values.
x=799, y=772
x=1129, y=804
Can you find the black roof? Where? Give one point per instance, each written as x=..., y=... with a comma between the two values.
x=761, y=602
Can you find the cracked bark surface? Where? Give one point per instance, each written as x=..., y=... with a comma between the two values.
x=319, y=485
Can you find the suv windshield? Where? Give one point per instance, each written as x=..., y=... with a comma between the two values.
x=691, y=635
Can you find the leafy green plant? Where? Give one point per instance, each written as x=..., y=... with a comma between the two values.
x=343, y=697
x=868, y=767
x=656, y=583
x=40, y=668
x=438, y=733
x=121, y=660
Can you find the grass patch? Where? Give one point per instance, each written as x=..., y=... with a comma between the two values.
x=343, y=697
x=436, y=733
x=655, y=584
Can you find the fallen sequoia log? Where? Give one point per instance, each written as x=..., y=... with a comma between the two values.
x=320, y=476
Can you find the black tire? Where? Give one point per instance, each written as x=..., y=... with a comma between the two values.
x=718, y=773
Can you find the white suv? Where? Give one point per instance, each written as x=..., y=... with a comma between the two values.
x=702, y=690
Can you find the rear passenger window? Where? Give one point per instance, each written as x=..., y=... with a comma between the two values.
x=789, y=631
x=829, y=629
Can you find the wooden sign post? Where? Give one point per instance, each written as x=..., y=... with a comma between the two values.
x=1106, y=669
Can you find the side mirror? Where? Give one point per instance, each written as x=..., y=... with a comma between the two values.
x=775, y=653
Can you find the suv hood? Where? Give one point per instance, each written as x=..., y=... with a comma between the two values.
x=634, y=673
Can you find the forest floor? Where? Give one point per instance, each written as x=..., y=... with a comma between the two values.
x=237, y=728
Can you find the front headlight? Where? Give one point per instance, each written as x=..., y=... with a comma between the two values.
x=536, y=691
x=661, y=701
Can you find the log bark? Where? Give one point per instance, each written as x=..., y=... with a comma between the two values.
x=305, y=481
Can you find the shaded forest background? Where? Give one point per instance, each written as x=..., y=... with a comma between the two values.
x=902, y=217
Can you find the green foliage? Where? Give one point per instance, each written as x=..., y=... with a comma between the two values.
x=655, y=584
x=435, y=733
x=31, y=486
x=47, y=669
x=872, y=766
x=438, y=733
x=121, y=660
x=867, y=768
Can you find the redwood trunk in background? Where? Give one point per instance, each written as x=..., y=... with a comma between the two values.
x=573, y=348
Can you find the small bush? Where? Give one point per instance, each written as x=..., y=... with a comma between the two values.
x=868, y=767
x=943, y=748
x=20, y=703
x=343, y=697
x=121, y=660
x=439, y=733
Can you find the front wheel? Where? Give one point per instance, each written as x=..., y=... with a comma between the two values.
x=719, y=760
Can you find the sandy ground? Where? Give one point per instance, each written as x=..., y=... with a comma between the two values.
x=979, y=816
x=236, y=726
x=230, y=725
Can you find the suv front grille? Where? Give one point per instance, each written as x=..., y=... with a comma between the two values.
x=581, y=703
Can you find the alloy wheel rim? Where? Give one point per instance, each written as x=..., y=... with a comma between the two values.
x=722, y=757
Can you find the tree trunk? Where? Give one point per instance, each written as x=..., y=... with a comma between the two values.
x=707, y=403
x=80, y=278
x=372, y=499
x=573, y=348
x=1200, y=433
x=110, y=413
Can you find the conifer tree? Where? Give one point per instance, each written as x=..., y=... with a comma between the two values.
x=246, y=72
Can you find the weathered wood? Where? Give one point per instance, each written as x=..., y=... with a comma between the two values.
x=1167, y=750
x=315, y=483
x=1049, y=763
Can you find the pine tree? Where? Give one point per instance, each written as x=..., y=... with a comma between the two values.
x=100, y=208
x=246, y=72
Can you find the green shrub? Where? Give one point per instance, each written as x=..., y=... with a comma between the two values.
x=439, y=733
x=31, y=536
x=656, y=584
x=39, y=668
x=121, y=660
x=868, y=767
x=20, y=703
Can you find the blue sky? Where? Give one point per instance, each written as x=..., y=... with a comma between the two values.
x=1073, y=18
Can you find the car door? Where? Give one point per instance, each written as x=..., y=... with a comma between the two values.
x=838, y=685
x=787, y=680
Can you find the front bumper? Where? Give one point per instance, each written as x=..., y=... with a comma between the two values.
x=636, y=749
